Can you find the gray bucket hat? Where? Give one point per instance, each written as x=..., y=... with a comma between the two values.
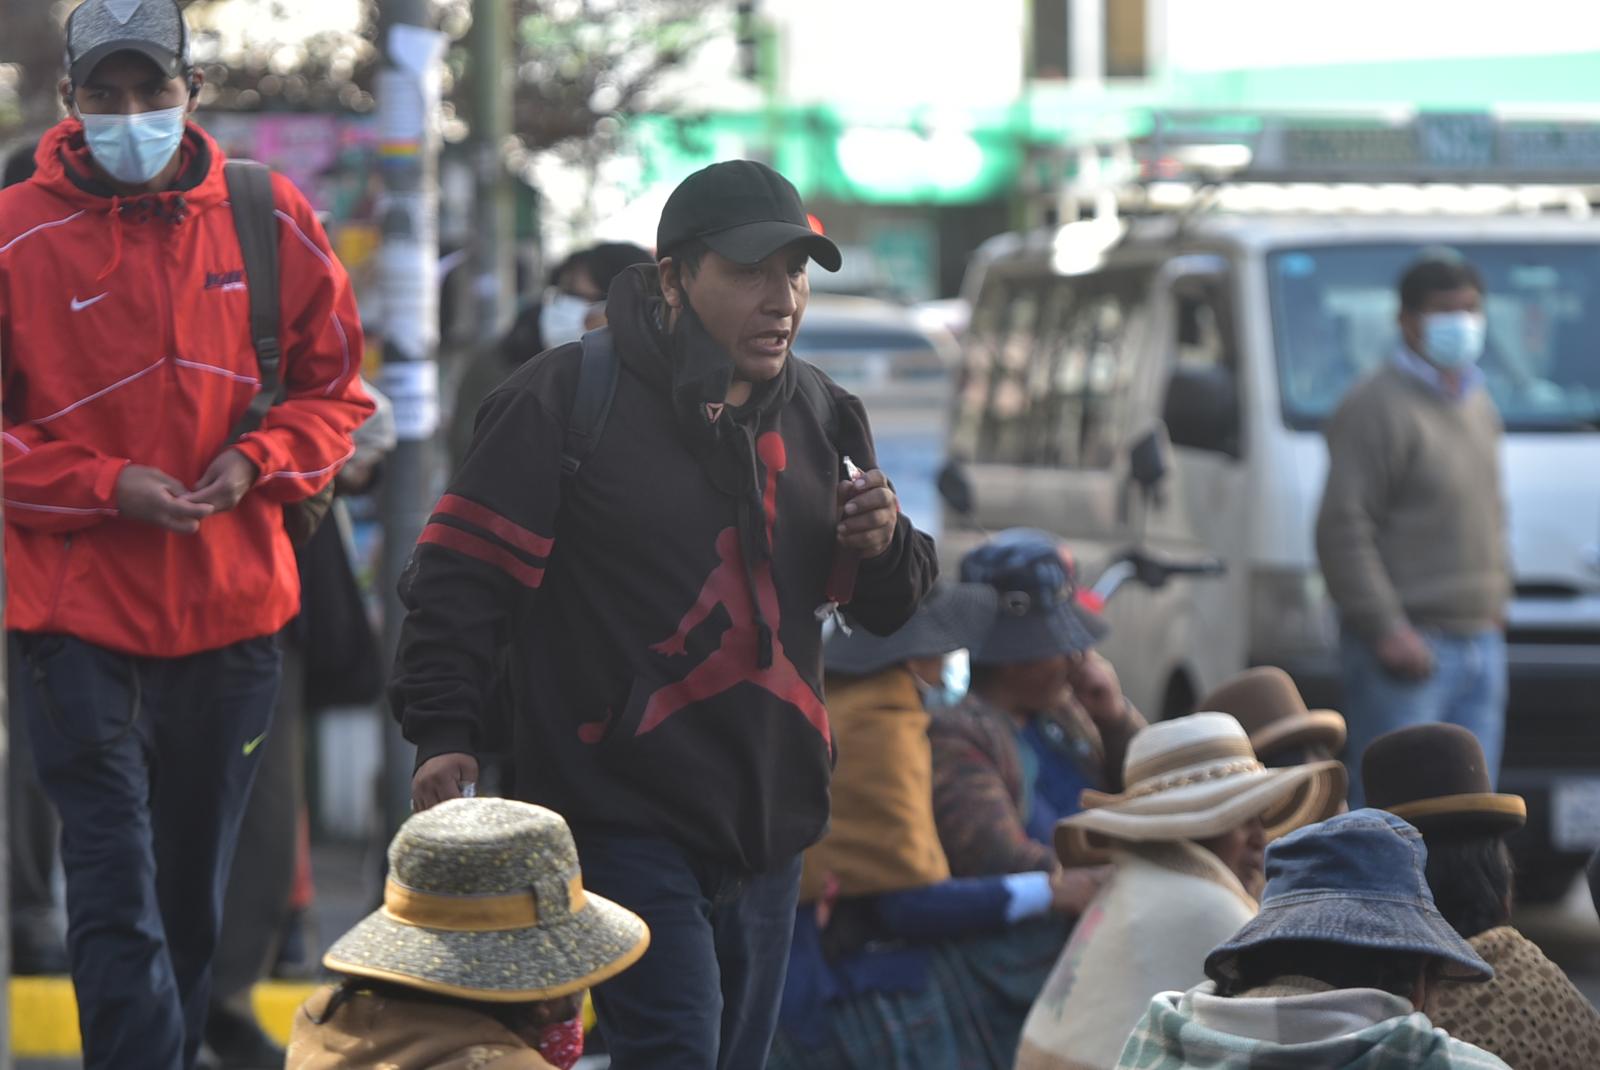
x=485, y=902
x=1359, y=880
x=954, y=616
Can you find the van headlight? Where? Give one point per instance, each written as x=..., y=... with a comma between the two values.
x=1291, y=615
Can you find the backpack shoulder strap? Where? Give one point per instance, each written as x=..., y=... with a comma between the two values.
x=591, y=404
x=254, y=218
x=820, y=398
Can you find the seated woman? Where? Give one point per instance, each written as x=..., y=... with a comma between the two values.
x=1529, y=1014
x=480, y=956
x=876, y=977
x=1045, y=717
x=1187, y=839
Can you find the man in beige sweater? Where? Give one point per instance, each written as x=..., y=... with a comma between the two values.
x=1412, y=531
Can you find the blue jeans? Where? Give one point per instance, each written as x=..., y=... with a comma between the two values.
x=149, y=762
x=1468, y=688
x=705, y=995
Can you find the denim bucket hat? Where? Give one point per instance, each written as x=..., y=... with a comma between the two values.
x=1042, y=611
x=1357, y=880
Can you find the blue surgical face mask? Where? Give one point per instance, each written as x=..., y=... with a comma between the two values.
x=1453, y=339
x=134, y=149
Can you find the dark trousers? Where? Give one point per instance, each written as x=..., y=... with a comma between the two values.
x=705, y=995
x=33, y=831
x=148, y=762
x=256, y=906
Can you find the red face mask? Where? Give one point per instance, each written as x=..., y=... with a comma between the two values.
x=561, y=1044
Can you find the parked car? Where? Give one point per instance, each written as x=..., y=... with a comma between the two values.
x=901, y=370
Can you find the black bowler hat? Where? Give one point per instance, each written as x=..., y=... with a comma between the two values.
x=1435, y=776
x=742, y=210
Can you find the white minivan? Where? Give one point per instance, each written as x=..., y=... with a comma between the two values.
x=1234, y=334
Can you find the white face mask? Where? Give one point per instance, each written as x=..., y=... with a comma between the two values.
x=562, y=319
x=1453, y=339
x=134, y=149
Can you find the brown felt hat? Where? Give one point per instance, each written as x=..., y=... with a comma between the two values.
x=1268, y=705
x=1435, y=776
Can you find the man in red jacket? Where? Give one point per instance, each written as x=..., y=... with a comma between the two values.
x=148, y=566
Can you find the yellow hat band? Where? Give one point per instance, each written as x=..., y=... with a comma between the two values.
x=471, y=913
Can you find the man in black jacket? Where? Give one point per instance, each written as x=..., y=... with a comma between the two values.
x=663, y=610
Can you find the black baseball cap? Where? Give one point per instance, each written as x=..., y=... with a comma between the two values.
x=100, y=28
x=742, y=210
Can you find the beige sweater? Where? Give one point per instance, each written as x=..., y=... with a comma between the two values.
x=1148, y=931
x=1412, y=526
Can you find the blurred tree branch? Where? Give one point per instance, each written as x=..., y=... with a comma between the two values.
x=581, y=65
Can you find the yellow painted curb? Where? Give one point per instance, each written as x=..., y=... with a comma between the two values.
x=44, y=1014
x=44, y=1018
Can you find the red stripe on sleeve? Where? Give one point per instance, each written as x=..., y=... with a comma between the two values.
x=464, y=542
x=497, y=525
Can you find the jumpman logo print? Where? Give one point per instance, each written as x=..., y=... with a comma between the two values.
x=735, y=660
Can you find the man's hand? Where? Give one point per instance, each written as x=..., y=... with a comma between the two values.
x=230, y=476
x=1072, y=890
x=868, y=511
x=152, y=496
x=1094, y=682
x=441, y=778
x=1405, y=654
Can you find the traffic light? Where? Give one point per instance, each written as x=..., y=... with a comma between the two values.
x=749, y=39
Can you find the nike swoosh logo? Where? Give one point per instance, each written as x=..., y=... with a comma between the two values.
x=79, y=306
x=250, y=748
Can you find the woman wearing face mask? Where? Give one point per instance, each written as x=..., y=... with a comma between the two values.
x=480, y=956
x=1045, y=717
x=572, y=304
x=1412, y=535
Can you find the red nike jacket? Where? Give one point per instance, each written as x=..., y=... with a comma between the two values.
x=125, y=339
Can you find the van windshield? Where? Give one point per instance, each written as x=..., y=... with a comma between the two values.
x=1334, y=309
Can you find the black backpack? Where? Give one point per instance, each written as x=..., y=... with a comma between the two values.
x=254, y=218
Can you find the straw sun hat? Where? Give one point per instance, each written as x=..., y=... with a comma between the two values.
x=485, y=902
x=1194, y=778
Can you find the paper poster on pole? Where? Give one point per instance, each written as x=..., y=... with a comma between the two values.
x=413, y=386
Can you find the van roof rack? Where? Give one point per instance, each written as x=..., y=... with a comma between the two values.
x=1378, y=161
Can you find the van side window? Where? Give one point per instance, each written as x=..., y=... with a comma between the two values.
x=1097, y=344
x=1045, y=379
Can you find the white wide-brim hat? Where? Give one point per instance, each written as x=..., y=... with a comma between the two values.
x=1194, y=778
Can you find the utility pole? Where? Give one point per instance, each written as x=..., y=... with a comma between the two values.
x=408, y=88
x=494, y=281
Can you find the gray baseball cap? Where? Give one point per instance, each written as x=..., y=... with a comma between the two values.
x=99, y=28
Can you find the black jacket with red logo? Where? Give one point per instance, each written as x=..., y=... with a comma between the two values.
x=664, y=648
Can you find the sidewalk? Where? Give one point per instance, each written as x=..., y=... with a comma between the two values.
x=44, y=1017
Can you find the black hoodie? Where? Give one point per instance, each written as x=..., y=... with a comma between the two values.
x=666, y=664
